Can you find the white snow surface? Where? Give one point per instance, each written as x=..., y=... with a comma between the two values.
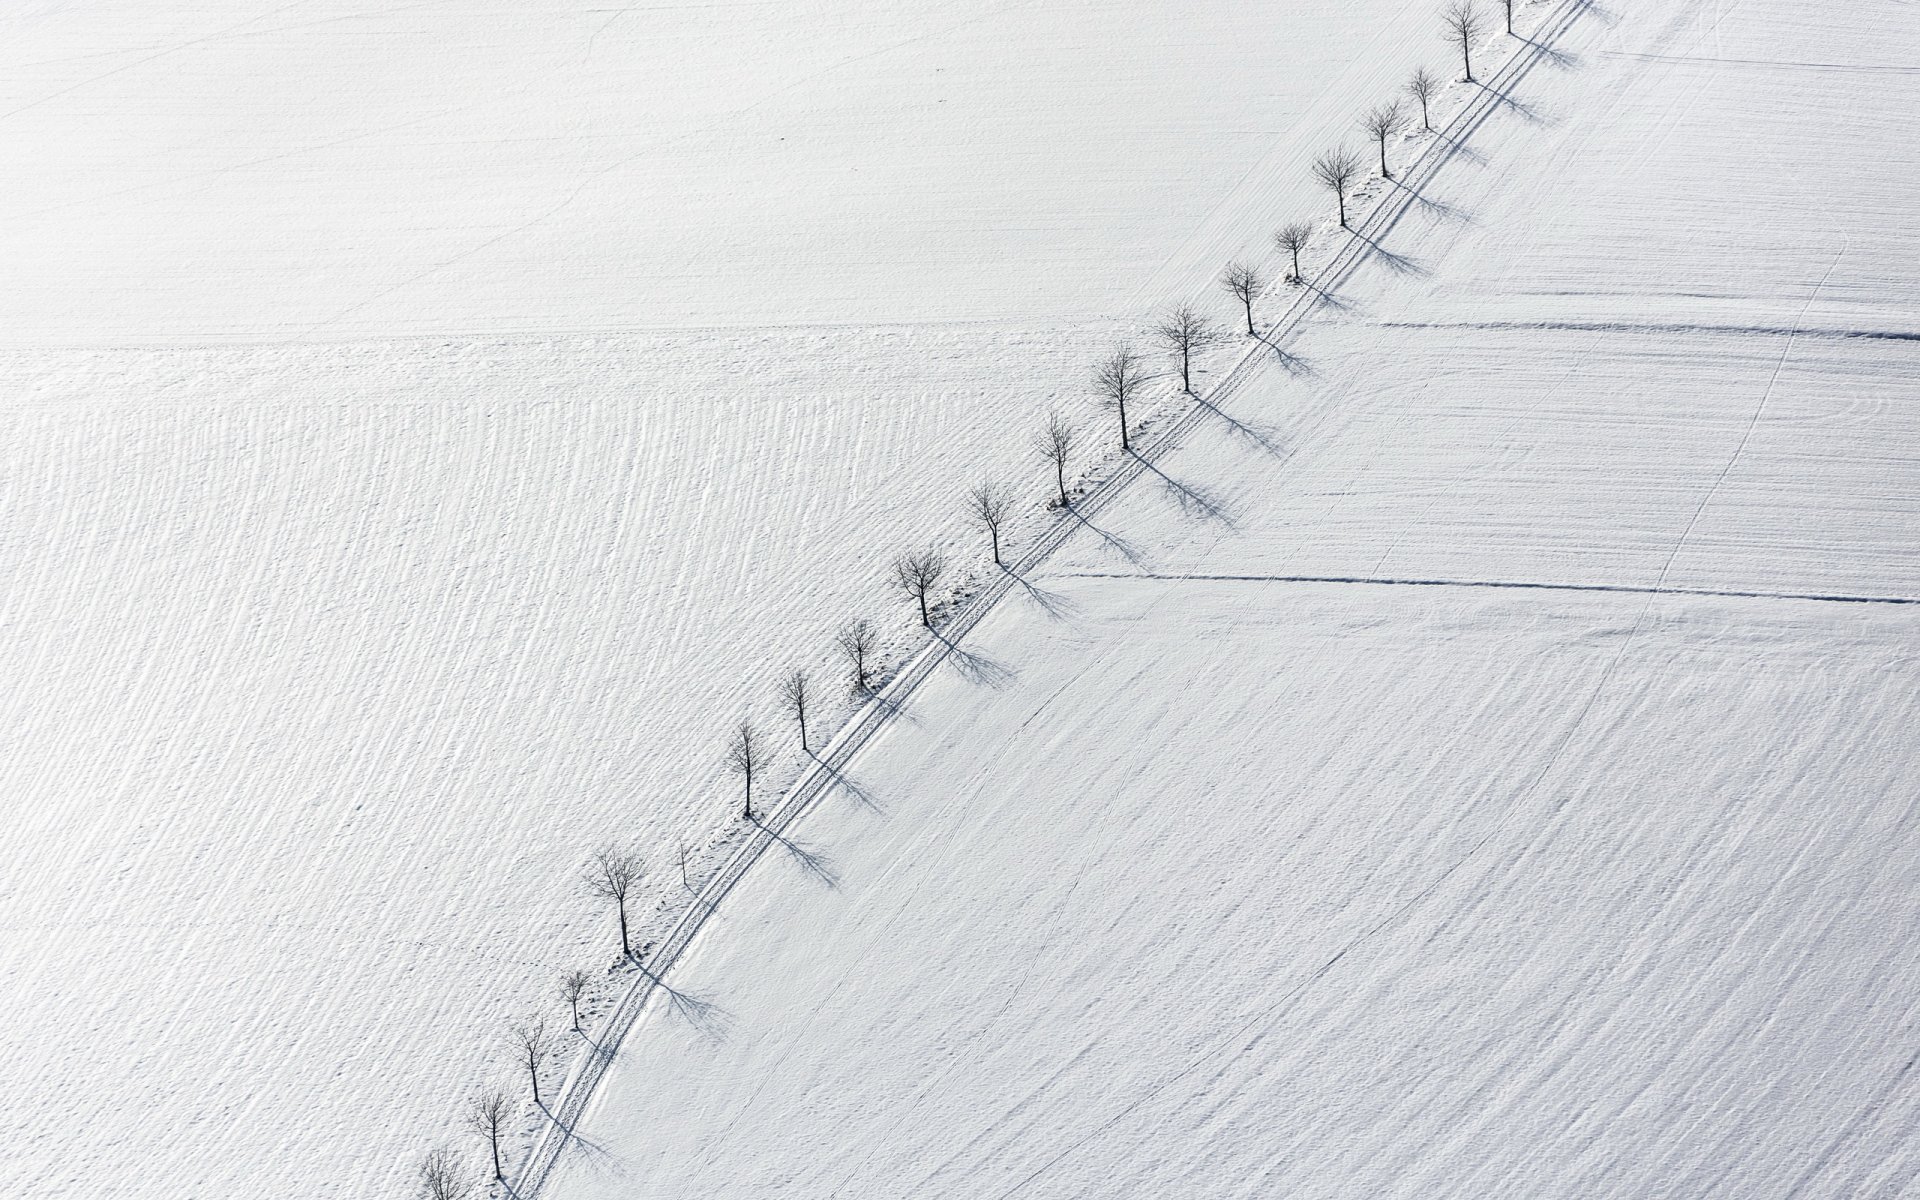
x=1476, y=762
x=427, y=428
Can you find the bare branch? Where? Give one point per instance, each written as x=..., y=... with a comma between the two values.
x=573, y=988
x=486, y=1117
x=1184, y=333
x=1292, y=239
x=609, y=875
x=441, y=1178
x=1055, y=444
x=1423, y=87
x=1382, y=122
x=1117, y=379
x=797, y=695
x=528, y=1041
x=1336, y=170
x=991, y=505
x=746, y=753
x=918, y=574
x=1464, y=25
x=1245, y=284
x=859, y=643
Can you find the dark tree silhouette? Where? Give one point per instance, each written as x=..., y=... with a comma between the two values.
x=1292, y=239
x=1382, y=122
x=1055, y=444
x=486, y=1117
x=1508, y=5
x=918, y=574
x=573, y=986
x=528, y=1042
x=610, y=875
x=1118, y=379
x=794, y=690
x=859, y=643
x=1464, y=25
x=441, y=1178
x=746, y=753
x=1422, y=87
x=991, y=505
x=1244, y=283
x=1184, y=333
x=1336, y=170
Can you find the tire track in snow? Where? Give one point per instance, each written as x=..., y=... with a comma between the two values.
x=1517, y=584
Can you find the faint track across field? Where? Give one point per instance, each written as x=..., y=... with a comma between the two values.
x=825, y=772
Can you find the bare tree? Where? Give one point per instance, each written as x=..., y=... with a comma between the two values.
x=1184, y=332
x=919, y=573
x=1508, y=5
x=609, y=875
x=1423, y=87
x=486, y=1117
x=1055, y=443
x=1245, y=284
x=746, y=753
x=991, y=505
x=1464, y=25
x=798, y=695
x=1292, y=239
x=573, y=986
x=1382, y=122
x=858, y=642
x=1117, y=379
x=1336, y=170
x=441, y=1177
x=528, y=1041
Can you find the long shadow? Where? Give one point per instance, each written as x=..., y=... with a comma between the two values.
x=1192, y=500
x=707, y=1018
x=1439, y=208
x=976, y=668
x=1290, y=362
x=1399, y=264
x=1120, y=545
x=847, y=784
x=1563, y=59
x=1056, y=606
x=1526, y=111
x=1257, y=436
x=895, y=710
x=810, y=860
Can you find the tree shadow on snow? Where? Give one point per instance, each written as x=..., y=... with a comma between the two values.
x=1119, y=545
x=848, y=784
x=1056, y=606
x=707, y=1018
x=1439, y=208
x=812, y=861
x=1399, y=264
x=1258, y=436
x=1290, y=362
x=976, y=668
x=1191, y=498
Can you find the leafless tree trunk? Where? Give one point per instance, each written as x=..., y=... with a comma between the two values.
x=1508, y=4
x=1118, y=379
x=1336, y=170
x=441, y=1177
x=745, y=755
x=918, y=574
x=1184, y=332
x=1293, y=239
x=528, y=1041
x=1383, y=121
x=990, y=504
x=609, y=875
x=573, y=986
x=1464, y=25
x=487, y=1116
x=1245, y=284
x=794, y=690
x=1422, y=87
x=858, y=643
x=1055, y=443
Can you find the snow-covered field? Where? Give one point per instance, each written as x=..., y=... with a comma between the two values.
x=1479, y=764
x=425, y=428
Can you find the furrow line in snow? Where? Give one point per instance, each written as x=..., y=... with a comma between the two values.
x=1531, y=585
x=825, y=772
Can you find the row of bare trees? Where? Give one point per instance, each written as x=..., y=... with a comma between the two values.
x=612, y=874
